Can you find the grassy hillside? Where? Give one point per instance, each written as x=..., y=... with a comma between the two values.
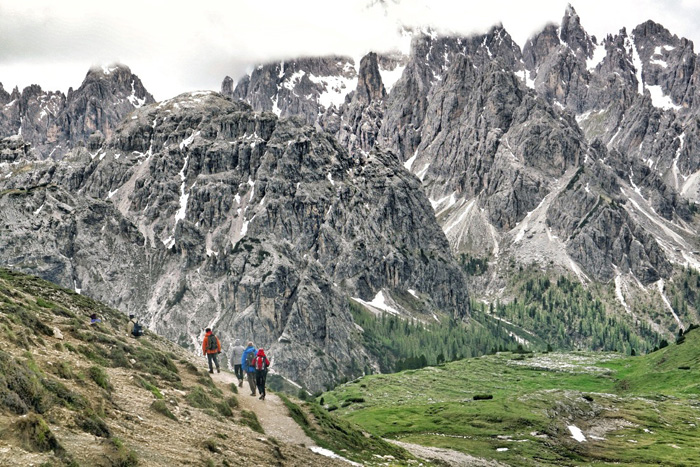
x=517, y=408
x=72, y=393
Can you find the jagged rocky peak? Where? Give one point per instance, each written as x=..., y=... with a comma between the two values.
x=569, y=36
x=4, y=95
x=573, y=34
x=115, y=81
x=54, y=123
x=106, y=95
x=227, y=87
x=369, y=84
x=304, y=86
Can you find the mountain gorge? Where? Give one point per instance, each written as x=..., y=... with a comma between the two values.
x=408, y=184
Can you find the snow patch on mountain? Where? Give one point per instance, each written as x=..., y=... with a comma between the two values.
x=336, y=89
x=636, y=62
x=524, y=76
x=390, y=77
x=660, y=285
x=597, y=57
x=378, y=304
x=660, y=100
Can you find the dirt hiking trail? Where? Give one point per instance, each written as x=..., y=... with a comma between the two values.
x=272, y=413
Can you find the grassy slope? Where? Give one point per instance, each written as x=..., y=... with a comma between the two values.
x=633, y=410
x=92, y=396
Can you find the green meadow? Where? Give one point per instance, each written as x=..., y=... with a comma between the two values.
x=517, y=408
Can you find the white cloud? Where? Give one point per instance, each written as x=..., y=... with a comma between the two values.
x=182, y=46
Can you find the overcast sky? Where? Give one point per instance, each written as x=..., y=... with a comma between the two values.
x=176, y=46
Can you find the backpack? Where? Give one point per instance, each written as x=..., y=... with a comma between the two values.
x=260, y=363
x=212, y=344
x=250, y=356
x=138, y=330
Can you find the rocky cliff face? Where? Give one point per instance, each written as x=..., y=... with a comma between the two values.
x=213, y=215
x=53, y=122
x=573, y=152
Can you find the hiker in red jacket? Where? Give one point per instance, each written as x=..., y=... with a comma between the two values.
x=211, y=348
x=260, y=362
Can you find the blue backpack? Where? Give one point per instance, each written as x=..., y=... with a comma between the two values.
x=138, y=330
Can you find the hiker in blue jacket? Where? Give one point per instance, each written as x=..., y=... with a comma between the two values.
x=247, y=364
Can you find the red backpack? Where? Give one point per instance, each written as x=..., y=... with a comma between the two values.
x=261, y=363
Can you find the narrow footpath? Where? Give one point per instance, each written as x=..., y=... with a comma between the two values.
x=272, y=413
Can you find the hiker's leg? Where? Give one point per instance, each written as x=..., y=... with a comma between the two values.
x=216, y=361
x=238, y=370
x=251, y=382
x=259, y=381
x=209, y=357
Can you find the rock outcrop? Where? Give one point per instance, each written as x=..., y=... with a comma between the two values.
x=213, y=215
x=53, y=123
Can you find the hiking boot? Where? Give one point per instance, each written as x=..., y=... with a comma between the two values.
x=252, y=394
x=211, y=371
x=218, y=371
x=262, y=397
x=240, y=384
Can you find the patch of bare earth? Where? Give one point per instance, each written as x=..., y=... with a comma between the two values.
x=445, y=456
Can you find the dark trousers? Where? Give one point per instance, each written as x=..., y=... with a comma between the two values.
x=238, y=371
x=215, y=358
x=260, y=377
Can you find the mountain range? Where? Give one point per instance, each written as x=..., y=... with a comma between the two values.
x=413, y=185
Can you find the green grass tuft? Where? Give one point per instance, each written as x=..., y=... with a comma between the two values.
x=99, y=376
x=249, y=419
x=160, y=407
x=35, y=435
x=92, y=423
x=198, y=398
x=148, y=386
x=123, y=456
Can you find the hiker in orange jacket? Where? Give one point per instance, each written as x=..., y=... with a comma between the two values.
x=211, y=347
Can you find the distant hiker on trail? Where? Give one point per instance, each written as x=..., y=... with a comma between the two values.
x=261, y=363
x=94, y=319
x=134, y=328
x=237, y=361
x=247, y=363
x=211, y=348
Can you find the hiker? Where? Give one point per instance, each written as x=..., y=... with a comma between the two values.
x=133, y=327
x=247, y=364
x=94, y=319
x=261, y=363
x=236, y=361
x=211, y=348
